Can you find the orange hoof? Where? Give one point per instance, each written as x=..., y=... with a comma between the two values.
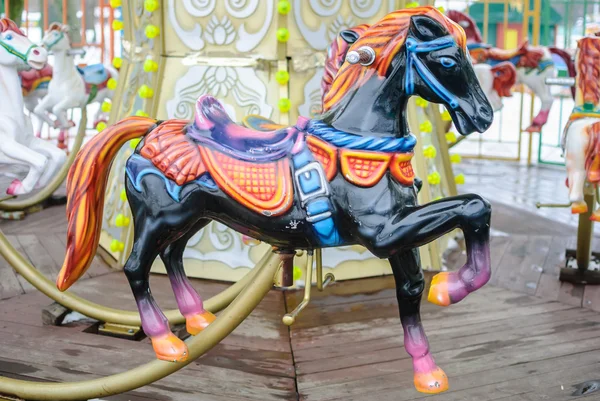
x=595, y=216
x=579, y=208
x=438, y=292
x=433, y=382
x=194, y=324
x=170, y=348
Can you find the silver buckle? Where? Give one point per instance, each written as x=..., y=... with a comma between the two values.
x=324, y=191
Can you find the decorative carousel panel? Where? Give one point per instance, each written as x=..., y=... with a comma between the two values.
x=224, y=27
x=243, y=90
x=314, y=24
x=305, y=91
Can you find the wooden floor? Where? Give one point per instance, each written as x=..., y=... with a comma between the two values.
x=525, y=337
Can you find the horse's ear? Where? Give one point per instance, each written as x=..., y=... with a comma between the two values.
x=349, y=36
x=426, y=28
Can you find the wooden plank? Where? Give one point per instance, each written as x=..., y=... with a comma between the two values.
x=10, y=281
x=591, y=297
x=522, y=264
x=384, y=376
x=571, y=294
x=26, y=287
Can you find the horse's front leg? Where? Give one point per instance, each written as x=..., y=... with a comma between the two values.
x=423, y=224
x=42, y=109
x=428, y=377
x=189, y=302
x=21, y=154
x=544, y=92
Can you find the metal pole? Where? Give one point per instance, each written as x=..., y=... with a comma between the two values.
x=100, y=312
x=585, y=230
x=143, y=375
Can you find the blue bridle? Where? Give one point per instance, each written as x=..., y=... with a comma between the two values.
x=412, y=49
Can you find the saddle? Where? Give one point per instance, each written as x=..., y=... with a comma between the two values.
x=254, y=166
x=523, y=56
x=96, y=78
x=250, y=166
x=33, y=79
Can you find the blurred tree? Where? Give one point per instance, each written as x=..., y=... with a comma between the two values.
x=15, y=12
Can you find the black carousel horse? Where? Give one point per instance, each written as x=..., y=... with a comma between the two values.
x=342, y=179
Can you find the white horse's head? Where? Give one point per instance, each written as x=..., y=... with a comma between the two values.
x=496, y=81
x=56, y=38
x=18, y=51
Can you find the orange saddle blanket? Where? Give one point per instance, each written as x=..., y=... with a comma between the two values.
x=264, y=187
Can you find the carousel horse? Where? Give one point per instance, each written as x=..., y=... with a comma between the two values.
x=34, y=84
x=581, y=137
x=534, y=64
x=344, y=178
x=71, y=86
x=18, y=144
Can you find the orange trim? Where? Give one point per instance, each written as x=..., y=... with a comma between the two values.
x=265, y=188
x=325, y=154
x=401, y=168
x=363, y=168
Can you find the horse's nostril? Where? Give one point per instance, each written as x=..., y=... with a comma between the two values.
x=36, y=52
x=485, y=111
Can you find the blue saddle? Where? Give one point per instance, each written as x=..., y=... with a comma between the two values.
x=95, y=74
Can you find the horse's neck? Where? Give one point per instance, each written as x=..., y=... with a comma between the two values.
x=11, y=96
x=64, y=66
x=384, y=117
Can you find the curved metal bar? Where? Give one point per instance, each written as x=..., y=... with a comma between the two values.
x=103, y=313
x=16, y=205
x=143, y=375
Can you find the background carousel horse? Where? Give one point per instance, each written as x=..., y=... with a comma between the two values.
x=18, y=145
x=35, y=87
x=581, y=137
x=71, y=86
x=534, y=64
x=343, y=179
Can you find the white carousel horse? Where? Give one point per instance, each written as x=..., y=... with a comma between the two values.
x=71, y=86
x=18, y=145
x=581, y=137
x=496, y=81
x=35, y=87
x=534, y=64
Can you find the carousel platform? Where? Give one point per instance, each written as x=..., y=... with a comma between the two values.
x=522, y=337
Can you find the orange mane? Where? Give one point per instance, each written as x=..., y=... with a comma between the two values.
x=9, y=25
x=55, y=26
x=336, y=55
x=385, y=37
x=588, y=71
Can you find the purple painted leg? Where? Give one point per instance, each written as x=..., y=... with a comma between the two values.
x=156, y=326
x=428, y=377
x=189, y=302
x=451, y=287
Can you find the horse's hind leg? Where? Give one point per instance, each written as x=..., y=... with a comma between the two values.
x=137, y=269
x=189, y=302
x=428, y=377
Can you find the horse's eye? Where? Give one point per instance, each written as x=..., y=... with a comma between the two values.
x=8, y=37
x=447, y=62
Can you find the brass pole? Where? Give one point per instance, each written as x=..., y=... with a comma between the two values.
x=16, y=205
x=319, y=263
x=103, y=313
x=143, y=375
x=585, y=230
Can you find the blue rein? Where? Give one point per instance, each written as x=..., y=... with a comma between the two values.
x=414, y=63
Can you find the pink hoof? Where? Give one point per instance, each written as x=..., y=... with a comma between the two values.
x=15, y=188
x=38, y=134
x=533, y=128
